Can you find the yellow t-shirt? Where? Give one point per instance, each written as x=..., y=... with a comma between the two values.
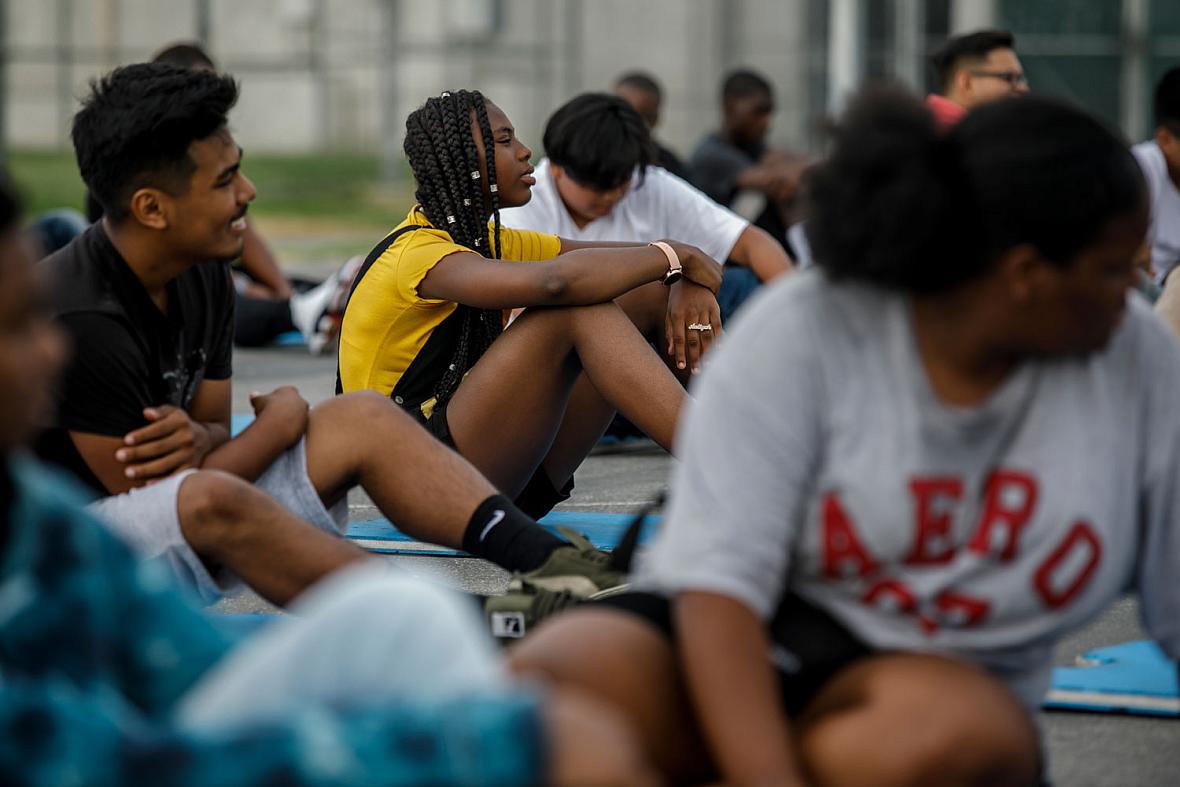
x=388, y=327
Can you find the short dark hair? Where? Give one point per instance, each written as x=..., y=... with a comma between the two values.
x=641, y=80
x=971, y=46
x=186, y=54
x=896, y=199
x=600, y=140
x=1166, y=104
x=744, y=83
x=135, y=128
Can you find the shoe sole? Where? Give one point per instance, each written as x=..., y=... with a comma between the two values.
x=578, y=586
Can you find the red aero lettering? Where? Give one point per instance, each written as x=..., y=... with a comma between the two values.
x=997, y=513
x=960, y=610
x=1080, y=535
x=902, y=596
x=932, y=526
x=842, y=547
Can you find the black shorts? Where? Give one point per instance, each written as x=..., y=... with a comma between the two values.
x=539, y=496
x=810, y=647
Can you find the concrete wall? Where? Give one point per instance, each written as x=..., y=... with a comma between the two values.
x=333, y=75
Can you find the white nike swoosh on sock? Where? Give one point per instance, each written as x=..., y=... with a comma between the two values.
x=497, y=517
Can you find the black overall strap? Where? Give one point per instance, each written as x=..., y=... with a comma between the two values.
x=374, y=255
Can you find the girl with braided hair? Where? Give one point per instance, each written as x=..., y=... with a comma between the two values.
x=425, y=326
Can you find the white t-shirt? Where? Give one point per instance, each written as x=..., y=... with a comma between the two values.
x=816, y=459
x=662, y=206
x=1164, y=234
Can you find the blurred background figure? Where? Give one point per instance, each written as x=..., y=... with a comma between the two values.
x=735, y=166
x=974, y=69
x=644, y=94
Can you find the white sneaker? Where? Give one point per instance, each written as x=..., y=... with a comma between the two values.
x=319, y=312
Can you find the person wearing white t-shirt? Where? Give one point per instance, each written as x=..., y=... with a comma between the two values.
x=907, y=473
x=598, y=182
x=1160, y=159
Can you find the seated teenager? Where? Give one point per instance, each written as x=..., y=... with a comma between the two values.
x=425, y=324
x=890, y=507
x=735, y=166
x=146, y=299
x=644, y=94
x=599, y=182
x=268, y=303
x=112, y=678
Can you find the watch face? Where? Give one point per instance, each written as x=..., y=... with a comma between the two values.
x=671, y=277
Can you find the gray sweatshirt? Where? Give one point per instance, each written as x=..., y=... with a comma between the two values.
x=817, y=459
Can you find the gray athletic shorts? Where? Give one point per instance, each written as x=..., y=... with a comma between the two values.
x=147, y=520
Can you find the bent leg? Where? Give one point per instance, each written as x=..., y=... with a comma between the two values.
x=914, y=720
x=364, y=439
x=898, y=719
x=628, y=664
x=228, y=523
x=506, y=414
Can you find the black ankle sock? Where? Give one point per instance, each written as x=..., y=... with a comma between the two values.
x=500, y=532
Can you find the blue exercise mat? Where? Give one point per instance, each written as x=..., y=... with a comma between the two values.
x=1134, y=677
x=289, y=339
x=238, y=423
x=604, y=531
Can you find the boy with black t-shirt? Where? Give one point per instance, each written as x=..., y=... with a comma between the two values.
x=144, y=407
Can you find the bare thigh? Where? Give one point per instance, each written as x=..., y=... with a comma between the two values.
x=630, y=664
x=911, y=719
x=897, y=719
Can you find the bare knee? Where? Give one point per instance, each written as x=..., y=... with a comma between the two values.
x=360, y=408
x=935, y=721
x=213, y=508
x=630, y=665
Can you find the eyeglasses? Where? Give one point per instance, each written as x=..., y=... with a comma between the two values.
x=1013, y=78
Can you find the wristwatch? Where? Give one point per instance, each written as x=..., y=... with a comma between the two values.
x=675, y=271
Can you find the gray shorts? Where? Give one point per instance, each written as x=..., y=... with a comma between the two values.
x=146, y=518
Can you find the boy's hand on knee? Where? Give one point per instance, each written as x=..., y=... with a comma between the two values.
x=591, y=744
x=283, y=406
x=172, y=441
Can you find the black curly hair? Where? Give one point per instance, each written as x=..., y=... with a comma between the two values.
x=903, y=206
x=442, y=152
x=135, y=128
x=599, y=140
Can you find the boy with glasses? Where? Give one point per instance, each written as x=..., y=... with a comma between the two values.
x=974, y=69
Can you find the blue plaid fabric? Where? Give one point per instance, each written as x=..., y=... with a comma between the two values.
x=96, y=648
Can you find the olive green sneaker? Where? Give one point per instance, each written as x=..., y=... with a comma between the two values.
x=524, y=605
x=515, y=613
x=579, y=569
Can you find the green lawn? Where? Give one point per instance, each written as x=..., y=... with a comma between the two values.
x=315, y=211
x=333, y=187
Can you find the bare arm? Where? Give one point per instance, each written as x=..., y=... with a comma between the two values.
x=211, y=409
x=576, y=278
x=757, y=250
x=281, y=419
x=730, y=680
x=262, y=266
x=173, y=440
x=568, y=244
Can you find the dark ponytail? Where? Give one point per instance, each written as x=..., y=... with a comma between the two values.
x=889, y=205
x=901, y=206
